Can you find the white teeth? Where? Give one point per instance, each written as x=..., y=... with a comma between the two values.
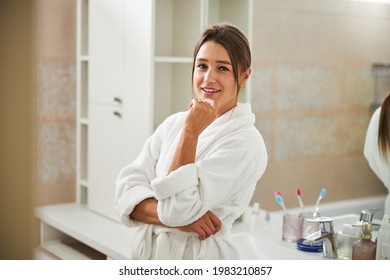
x=210, y=90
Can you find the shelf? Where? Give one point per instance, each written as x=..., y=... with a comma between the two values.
x=84, y=58
x=83, y=89
x=93, y=230
x=84, y=184
x=84, y=121
x=84, y=26
x=232, y=11
x=83, y=153
x=173, y=89
x=75, y=251
x=177, y=27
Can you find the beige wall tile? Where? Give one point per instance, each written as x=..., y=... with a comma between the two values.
x=56, y=28
x=56, y=101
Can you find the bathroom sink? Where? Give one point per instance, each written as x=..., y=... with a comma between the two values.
x=267, y=244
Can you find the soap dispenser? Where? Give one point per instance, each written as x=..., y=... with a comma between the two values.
x=352, y=232
x=364, y=248
x=383, y=240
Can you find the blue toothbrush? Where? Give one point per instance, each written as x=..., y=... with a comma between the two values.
x=321, y=196
x=279, y=200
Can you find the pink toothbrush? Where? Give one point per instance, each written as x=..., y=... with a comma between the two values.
x=298, y=191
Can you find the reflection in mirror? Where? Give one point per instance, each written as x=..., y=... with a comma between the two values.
x=319, y=68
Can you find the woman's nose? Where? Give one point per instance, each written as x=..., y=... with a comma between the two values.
x=210, y=76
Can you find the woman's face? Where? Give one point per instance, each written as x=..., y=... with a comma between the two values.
x=213, y=79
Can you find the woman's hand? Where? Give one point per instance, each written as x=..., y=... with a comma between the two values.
x=205, y=226
x=200, y=115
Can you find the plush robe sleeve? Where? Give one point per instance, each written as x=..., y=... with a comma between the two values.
x=232, y=166
x=133, y=183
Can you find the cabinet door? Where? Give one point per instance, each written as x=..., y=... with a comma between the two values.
x=120, y=95
x=106, y=48
x=105, y=152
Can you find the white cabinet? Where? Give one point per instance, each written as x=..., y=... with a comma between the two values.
x=105, y=150
x=116, y=94
x=106, y=50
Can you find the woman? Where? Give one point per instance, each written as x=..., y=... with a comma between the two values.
x=377, y=145
x=197, y=173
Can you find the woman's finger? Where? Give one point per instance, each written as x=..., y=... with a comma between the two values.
x=216, y=222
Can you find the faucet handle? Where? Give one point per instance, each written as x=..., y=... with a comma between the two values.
x=367, y=215
x=326, y=223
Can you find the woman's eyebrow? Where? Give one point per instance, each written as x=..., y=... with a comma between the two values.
x=218, y=61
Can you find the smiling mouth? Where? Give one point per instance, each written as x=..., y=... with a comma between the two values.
x=210, y=90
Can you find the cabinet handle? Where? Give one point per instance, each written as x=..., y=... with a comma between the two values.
x=118, y=100
x=117, y=114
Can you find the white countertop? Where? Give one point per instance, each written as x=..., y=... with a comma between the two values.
x=113, y=239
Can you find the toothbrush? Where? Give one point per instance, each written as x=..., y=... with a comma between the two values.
x=298, y=191
x=321, y=196
x=279, y=200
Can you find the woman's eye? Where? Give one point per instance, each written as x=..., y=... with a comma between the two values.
x=201, y=66
x=223, y=68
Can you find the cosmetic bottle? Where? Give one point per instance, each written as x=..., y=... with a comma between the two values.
x=256, y=218
x=383, y=240
x=364, y=248
x=351, y=233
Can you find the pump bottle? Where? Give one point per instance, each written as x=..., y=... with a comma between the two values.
x=364, y=248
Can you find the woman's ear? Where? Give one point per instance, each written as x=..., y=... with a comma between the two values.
x=245, y=76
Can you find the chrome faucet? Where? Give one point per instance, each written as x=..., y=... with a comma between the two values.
x=326, y=234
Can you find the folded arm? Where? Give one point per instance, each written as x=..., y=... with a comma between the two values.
x=205, y=226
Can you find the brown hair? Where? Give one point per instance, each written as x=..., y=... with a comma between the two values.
x=384, y=129
x=235, y=43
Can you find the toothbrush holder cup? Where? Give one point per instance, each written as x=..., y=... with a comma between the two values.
x=295, y=226
x=292, y=227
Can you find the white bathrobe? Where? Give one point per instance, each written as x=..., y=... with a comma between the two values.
x=371, y=152
x=231, y=157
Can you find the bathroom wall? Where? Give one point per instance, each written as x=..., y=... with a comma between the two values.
x=16, y=130
x=56, y=100
x=313, y=89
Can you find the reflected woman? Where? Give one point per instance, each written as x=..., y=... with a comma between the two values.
x=377, y=145
x=197, y=173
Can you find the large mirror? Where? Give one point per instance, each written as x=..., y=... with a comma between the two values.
x=320, y=67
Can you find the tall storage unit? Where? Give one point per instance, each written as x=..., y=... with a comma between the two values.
x=119, y=120
x=134, y=62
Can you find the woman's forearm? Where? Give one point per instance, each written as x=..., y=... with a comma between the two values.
x=185, y=151
x=205, y=226
x=146, y=212
x=200, y=115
